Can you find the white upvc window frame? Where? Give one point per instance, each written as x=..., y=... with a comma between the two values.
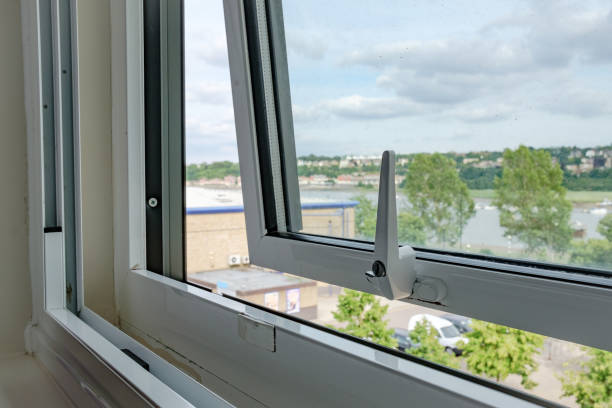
x=554, y=300
x=81, y=350
x=302, y=365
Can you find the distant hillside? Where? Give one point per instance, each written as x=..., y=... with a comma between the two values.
x=587, y=168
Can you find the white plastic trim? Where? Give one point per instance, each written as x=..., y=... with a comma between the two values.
x=307, y=364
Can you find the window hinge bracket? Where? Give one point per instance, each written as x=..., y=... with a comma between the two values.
x=432, y=290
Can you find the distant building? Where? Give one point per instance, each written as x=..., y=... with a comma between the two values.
x=216, y=236
x=586, y=164
x=573, y=168
x=277, y=291
x=486, y=164
x=599, y=162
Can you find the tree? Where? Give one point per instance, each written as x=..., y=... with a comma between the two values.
x=425, y=337
x=592, y=384
x=364, y=317
x=439, y=197
x=365, y=217
x=410, y=228
x=594, y=252
x=531, y=201
x=497, y=351
x=605, y=227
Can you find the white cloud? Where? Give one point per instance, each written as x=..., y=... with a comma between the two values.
x=514, y=52
x=358, y=107
x=309, y=44
x=481, y=114
x=206, y=92
x=579, y=102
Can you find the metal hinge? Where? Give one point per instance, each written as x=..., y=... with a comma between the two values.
x=68, y=293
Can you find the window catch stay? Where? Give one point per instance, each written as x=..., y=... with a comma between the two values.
x=393, y=271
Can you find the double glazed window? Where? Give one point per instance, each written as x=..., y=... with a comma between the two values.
x=494, y=205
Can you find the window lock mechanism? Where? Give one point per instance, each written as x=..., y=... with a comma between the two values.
x=393, y=271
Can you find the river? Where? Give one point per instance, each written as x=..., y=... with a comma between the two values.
x=482, y=230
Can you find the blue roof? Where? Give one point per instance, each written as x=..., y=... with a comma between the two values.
x=240, y=208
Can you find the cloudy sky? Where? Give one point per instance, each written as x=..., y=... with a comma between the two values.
x=418, y=76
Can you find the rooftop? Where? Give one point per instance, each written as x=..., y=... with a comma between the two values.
x=248, y=280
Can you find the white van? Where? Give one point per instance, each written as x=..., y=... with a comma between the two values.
x=448, y=335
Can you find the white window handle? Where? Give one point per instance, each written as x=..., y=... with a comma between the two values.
x=393, y=271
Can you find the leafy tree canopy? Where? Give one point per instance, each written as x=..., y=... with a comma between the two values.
x=439, y=197
x=605, y=227
x=592, y=384
x=425, y=337
x=410, y=228
x=594, y=252
x=194, y=172
x=531, y=200
x=364, y=317
x=497, y=351
x=365, y=217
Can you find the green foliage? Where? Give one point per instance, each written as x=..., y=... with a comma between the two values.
x=439, y=197
x=531, y=201
x=428, y=347
x=365, y=217
x=593, y=252
x=364, y=317
x=497, y=351
x=215, y=170
x=592, y=384
x=605, y=227
x=479, y=179
x=410, y=228
x=595, y=180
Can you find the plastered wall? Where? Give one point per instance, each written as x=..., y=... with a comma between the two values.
x=15, y=292
x=94, y=38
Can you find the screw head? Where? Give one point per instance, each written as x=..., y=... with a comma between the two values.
x=379, y=269
x=152, y=202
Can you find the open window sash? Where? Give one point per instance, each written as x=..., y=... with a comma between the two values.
x=549, y=299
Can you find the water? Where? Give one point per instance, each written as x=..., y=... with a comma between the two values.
x=482, y=230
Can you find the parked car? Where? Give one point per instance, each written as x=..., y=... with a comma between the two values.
x=447, y=333
x=403, y=339
x=462, y=323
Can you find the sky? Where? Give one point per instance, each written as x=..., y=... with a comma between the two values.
x=417, y=76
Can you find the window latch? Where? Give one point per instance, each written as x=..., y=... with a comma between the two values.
x=394, y=268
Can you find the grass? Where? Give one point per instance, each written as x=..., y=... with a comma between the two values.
x=573, y=196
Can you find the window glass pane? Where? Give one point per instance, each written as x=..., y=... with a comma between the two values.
x=499, y=113
x=214, y=225
x=217, y=256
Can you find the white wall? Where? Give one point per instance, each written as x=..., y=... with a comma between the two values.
x=96, y=150
x=15, y=292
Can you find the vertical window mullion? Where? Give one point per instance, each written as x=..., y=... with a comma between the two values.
x=153, y=128
x=48, y=115
x=64, y=74
x=265, y=115
x=164, y=151
x=175, y=139
x=59, y=142
x=274, y=117
x=284, y=114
